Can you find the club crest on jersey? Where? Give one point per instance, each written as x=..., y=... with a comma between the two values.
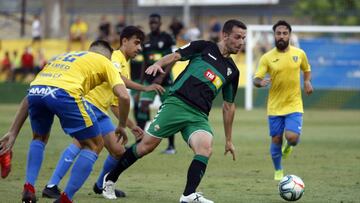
x=229, y=71
x=160, y=44
x=295, y=58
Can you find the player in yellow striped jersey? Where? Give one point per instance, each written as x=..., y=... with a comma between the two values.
x=59, y=90
x=284, y=107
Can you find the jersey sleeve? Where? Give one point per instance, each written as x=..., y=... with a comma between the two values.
x=229, y=89
x=115, y=101
x=112, y=75
x=190, y=50
x=305, y=66
x=262, y=68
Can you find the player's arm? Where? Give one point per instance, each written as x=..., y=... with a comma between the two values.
x=259, y=80
x=136, y=86
x=228, y=118
x=305, y=67
x=136, y=130
x=183, y=53
x=164, y=61
x=8, y=140
x=124, y=107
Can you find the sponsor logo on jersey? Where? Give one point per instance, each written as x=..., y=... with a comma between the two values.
x=43, y=91
x=210, y=75
x=295, y=58
x=156, y=127
x=215, y=80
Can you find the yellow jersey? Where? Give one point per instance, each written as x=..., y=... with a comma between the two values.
x=284, y=71
x=79, y=28
x=102, y=96
x=78, y=73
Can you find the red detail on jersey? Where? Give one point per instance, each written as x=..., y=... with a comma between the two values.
x=210, y=75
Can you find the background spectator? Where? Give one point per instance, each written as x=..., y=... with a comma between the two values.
x=175, y=26
x=214, y=29
x=119, y=26
x=104, y=29
x=6, y=66
x=78, y=33
x=27, y=63
x=193, y=33
x=36, y=30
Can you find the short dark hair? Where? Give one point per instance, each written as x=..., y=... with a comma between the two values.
x=228, y=26
x=130, y=31
x=155, y=15
x=281, y=22
x=102, y=43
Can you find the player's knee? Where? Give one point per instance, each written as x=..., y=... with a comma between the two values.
x=204, y=150
x=117, y=152
x=293, y=141
x=276, y=139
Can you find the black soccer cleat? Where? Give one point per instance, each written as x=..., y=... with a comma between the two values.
x=51, y=192
x=118, y=193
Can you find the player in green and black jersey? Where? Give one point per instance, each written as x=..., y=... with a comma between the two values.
x=157, y=44
x=210, y=70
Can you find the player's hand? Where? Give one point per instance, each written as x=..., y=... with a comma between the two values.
x=154, y=69
x=265, y=82
x=121, y=133
x=229, y=147
x=137, y=132
x=308, y=87
x=7, y=142
x=155, y=87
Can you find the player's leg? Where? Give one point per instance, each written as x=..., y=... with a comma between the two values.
x=143, y=116
x=276, y=126
x=200, y=139
x=116, y=150
x=293, y=126
x=171, y=139
x=163, y=124
x=131, y=155
x=67, y=158
x=41, y=119
x=90, y=149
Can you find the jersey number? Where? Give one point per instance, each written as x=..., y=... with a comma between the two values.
x=73, y=56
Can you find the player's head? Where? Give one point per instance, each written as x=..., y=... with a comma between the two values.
x=234, y=33
x=154, y=22
x=131, y=39
x=101, y=47
x=282, y=31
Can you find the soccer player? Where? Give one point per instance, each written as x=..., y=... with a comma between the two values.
x=210, y=70
x=284, y=107
x=157, y=44
x=58, y=90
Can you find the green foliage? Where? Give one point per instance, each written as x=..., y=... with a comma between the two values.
x=327, y=159
x=329, y=12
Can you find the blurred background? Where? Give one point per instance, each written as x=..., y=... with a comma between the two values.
x=32, y=31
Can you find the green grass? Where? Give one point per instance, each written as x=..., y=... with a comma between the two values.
x=327, y=159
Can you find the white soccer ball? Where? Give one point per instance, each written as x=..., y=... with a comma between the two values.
x=291, y=188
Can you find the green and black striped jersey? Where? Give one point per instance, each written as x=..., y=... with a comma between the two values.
x=207, y=73
x=155, y=47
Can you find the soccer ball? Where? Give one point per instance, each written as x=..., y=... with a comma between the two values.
x=291, y=188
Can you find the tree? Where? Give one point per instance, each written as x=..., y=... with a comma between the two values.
x=329, y=12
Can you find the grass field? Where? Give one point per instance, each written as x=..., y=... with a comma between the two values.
x=327, y=159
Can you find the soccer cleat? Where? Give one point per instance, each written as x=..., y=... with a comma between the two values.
x=51, y=192
x=279, y=174
x=63, y=199
x=5, y=161
x=118, y=193
x=286, y=150
x=169, y=150
x=108, y=189
x=195, y=197
x=28, y=194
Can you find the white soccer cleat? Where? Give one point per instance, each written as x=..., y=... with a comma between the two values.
x=195, y=197
x=108, y=189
